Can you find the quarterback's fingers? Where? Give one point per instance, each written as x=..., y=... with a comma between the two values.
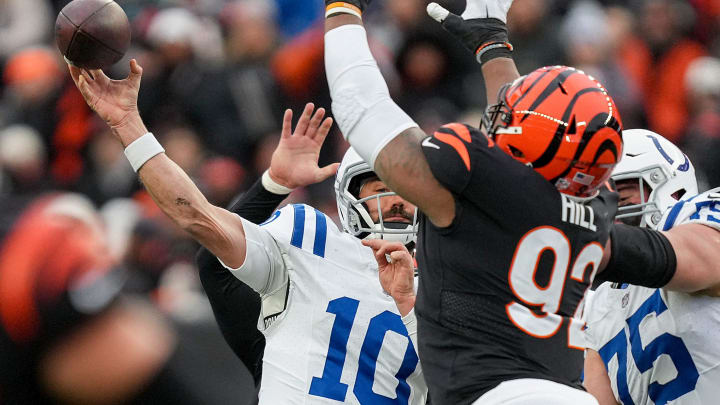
x=304, y=121
x=437, y=12
x=88, y=77
x=378, y=244
x=99, y=76
x=135, y=73
x=324, y=130
x=315, y=122
x=403, y=257
x=391, y=247
x=374, y=244
x=74, y=73
x=287, y=124
x=381, y=259
x=84, y=88
x=327, y=172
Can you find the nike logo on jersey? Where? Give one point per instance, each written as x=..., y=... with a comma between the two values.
x=426, y=143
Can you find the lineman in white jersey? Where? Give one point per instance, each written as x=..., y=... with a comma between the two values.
x=645, y=345
x=332, y=334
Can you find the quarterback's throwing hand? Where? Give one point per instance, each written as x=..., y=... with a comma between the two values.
x=295, y=160
x=397, y=276
x=113, y=100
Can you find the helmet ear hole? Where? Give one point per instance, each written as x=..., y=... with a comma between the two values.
x=679, y=194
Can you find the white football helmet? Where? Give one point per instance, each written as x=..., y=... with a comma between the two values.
x=658, y=163
x=353, y=212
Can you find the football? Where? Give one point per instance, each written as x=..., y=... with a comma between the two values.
x=92, y=34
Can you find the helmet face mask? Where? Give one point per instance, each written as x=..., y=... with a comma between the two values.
x=497, y=116
x=647, y=210
x=353, y=211
x=656, y=165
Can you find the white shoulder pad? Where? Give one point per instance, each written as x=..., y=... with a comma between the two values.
x=301, y=226
x=700, y=209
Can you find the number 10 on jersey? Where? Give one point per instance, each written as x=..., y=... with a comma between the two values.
x=329, y=385
x=522, y=282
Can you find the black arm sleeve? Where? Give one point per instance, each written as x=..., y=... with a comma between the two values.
x=640, y=256
x=235, y=305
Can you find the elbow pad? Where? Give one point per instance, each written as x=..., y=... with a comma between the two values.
x=640, y=256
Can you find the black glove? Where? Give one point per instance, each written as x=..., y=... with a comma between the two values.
x=474, y=32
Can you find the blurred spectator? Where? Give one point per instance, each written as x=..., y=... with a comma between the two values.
x=589, y=34
x=296, y=16
x=108, y=174
x=220, y=179
x=39, y=94
x=22, y=160
x=703, y=141
x=23, y=23
x=67, y=336
x=252, y=40
x=658, y=63
x=533, y=32
x=429, y=72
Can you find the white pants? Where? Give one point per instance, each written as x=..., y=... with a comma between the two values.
x=531, y=391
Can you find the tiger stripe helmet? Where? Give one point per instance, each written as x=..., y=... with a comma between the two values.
x=562, y=123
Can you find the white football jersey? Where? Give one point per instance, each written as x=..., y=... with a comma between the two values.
x=332, y=334
x=660, y=347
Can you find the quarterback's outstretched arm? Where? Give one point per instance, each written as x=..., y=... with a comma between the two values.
x=220, y=231
x=115, y=101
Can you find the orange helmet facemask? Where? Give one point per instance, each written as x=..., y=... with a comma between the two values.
x=562, y=123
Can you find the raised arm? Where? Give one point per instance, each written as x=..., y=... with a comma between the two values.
x=482, y=30
x=381, y=132
x=294, y=164
x=115, y=101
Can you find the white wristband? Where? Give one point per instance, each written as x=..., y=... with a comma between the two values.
x=143, y=149
x=270, y=185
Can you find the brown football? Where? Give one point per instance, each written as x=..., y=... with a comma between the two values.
x=92, y=34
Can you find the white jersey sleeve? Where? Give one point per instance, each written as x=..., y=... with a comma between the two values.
x=265, y=266
x=264, y=269
x=701, y=209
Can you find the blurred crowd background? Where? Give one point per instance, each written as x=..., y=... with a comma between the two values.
x=218, y=75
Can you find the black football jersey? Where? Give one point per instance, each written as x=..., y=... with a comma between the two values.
x=501, y=288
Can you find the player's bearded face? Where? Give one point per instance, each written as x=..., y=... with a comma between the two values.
x=394, y=208
x=629, y=191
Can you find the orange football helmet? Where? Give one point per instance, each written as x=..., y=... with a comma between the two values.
x=562, y=123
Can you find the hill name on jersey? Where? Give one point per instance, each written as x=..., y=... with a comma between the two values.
x=579, y=214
